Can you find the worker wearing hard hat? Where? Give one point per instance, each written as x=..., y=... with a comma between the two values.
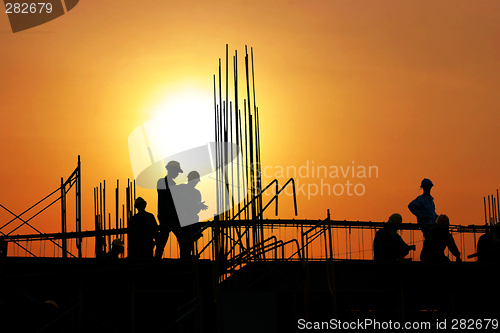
x=437, y=239
x=188, y=206
x=191, y=204
x=116, y=249
x=143, y=230
x=388, y=244
x=167, y=214
x=423, y=206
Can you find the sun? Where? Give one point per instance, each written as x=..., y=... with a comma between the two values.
x=183, y=120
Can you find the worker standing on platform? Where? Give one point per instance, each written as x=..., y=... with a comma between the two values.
x=190, y=205
x=423, y=207
x=143, y=230
x=388, y=244
x=167, y=213
x=436, y=241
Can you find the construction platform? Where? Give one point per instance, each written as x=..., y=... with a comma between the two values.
x=174, y=295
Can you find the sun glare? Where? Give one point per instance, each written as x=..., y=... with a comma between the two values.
x=183, y=120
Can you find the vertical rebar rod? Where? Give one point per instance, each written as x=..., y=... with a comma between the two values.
x=216, y=163
x=259, y=170
x=78, y=210
x=231, y=158
x=485, y=212
x=237, y=127
x=227, y=134
x=490, y=197
x=247, y=171
x=250, y=136
x=63, y=219
x=221, y=131
x=128, y=202
x=257, y=139
x=101, y=218
x=243, y=172
x=117, y=202
x=219, y=162
x=123, y=215
x=259, y=164
x=79, y=243
x=489, y=211
x=492, y=210
x=96, y=225
x=104, y=211
x=498, y=208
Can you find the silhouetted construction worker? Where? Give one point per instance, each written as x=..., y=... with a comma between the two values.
x=190, y=205
x=436, y=241
x=488, y=245
x=423, y=207
x=116, y=249
x=143, y=231
x=388, y=244
x=191, y=200
x=167, y=214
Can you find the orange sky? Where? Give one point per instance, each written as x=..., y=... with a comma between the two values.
x=410, y=87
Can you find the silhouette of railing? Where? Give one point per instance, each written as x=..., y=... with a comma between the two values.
x=66, y=185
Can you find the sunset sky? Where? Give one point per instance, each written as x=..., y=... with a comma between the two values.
x=409, y=87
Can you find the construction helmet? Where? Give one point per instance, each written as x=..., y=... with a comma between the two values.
x=193, y=175
x=443, y=220
x=174, y=165
x=117, y=242
x=426, y=182
x=139, y=202
x=395, y=218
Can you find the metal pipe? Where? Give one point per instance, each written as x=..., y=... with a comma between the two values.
x=116, y=202
x=489, y=211
x=485, y=216
x=498, y=208
x=63, y=219
x=78, y=192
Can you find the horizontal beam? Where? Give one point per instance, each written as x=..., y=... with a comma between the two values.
x=311, y=224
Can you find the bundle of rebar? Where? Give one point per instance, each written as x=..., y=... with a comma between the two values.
x=238, y=170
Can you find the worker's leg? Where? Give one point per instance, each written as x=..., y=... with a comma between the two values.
x=161, y=241
x=185, y=243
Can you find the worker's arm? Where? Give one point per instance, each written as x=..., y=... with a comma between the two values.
x=417, y=208
x=452, y=246
x=414, y=208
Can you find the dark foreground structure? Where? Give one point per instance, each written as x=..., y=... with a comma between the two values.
x=248, y=274
x=173, y=295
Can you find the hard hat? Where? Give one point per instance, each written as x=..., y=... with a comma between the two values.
x=395, y=218
x=174, y=164
x=426, y=182
x=117, y=242
x=139, y=201
x=193, y=175
x=443, y=220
